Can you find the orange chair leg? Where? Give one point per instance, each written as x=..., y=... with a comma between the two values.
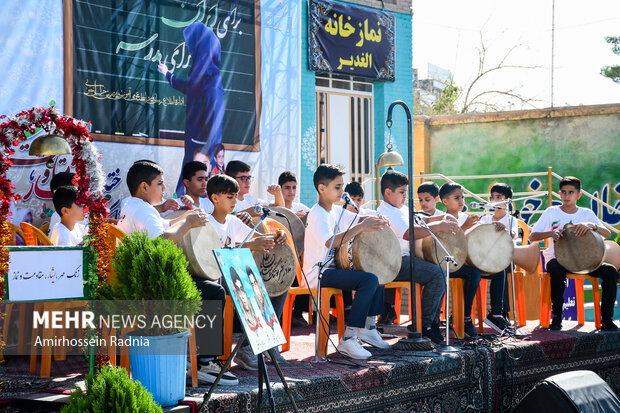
x=286, y=321
x=581, y=319
x=192, y=357
x=545, y=302
x=418, y=307
x=340, y=314
x=324, y=321
x=108, y=333
x=458, y=307
x=310, y=321
x=228, y=327
x=481, y=303
x=596, y=297
x=398, y=296
x=520, y=293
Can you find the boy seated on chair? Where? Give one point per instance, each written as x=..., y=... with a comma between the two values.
x=452, y=196
x=428, y=195
x=356, y=192
x=322, y=220
x=288, y=184
x=240, y=172
x=69, y=231
x=551, y=225
x=223, y=190
x=500, y=304
x=146, y=186
x=430, y=276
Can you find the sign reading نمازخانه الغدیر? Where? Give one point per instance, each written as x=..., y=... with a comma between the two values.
x=351, y=40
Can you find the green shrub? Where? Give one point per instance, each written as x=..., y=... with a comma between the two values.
x=153, y=270
x=111, y=391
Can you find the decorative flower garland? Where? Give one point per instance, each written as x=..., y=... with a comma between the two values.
x=89, y=177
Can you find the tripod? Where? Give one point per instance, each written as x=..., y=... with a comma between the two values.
x=263, y=377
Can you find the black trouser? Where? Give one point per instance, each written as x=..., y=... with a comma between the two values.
x=209, y=290
x=606, y=272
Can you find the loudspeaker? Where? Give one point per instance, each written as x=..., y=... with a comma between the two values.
x=574, y=391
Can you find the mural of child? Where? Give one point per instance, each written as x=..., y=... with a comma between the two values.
x=204, y=90
x=260, y=298
x=249, y=315
x=202, y=155
x=218, y=159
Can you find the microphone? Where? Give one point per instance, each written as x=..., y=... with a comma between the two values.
x=348, y=201
x=479, y=205
x=266, y=211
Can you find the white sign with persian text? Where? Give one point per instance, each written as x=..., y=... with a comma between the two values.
x=45, y=274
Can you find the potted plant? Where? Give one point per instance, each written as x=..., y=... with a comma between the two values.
x=153, y=272
x=111, y=391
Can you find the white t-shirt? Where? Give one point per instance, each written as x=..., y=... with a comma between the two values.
x=299, y=207
x=232, y=232
x=320, y=228
x=367, y=212
x=139, y=215
x=461, y=218
x=63, y=237
x=55, y=219
x=514, y=228
x=554, y=218
x=437, y=213
x=399, y=222
x=248, y=202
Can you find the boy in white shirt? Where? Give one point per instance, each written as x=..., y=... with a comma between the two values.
x=222, y=191
x=428, y=195
x=551, y=225
x=145, y=181
x=500, y=304
x=394, y=190
x=58, y=180
x=356, y=193
x=240, y=172
x=69, y=231
x=322, y=220
x=451, y=194
x=195, y=175
x=288, y=184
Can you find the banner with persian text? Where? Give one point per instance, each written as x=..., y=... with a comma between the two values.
x=351, y=40
x=184, y=71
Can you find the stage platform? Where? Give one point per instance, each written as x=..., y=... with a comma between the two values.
x=488, y=374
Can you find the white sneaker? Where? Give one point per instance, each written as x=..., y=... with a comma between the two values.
x=372, y=337
x=352, y=348
x=209, y=372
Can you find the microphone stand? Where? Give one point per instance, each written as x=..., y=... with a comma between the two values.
x=448, y=259
x=265, y=213
x=322, y=266
x=516, y=331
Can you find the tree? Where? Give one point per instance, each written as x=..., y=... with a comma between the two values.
x=473, y=96
x=612, y=72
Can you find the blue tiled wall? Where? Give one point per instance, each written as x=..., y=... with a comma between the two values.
x=384, y=94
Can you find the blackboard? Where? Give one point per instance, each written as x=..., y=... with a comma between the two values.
x=118, y=44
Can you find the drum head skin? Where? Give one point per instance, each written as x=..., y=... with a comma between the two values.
x=377, y=252
x=489, y=250
x=277, y=267
x=297, y=228
x=580, y=255
x=198, y=245
x=456, y=244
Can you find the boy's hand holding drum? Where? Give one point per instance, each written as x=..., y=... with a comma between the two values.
x=373, y=224
x=262, y=243
x=197, y=218
x=582, y=228
x=280, y=237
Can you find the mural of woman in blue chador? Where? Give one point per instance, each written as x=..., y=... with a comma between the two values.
x=204, y=90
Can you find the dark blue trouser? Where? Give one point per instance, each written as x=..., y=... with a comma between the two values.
x=471, y=276
x=498, y=285
x=368, y=300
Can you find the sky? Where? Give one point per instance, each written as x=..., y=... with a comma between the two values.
x=447, y=33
